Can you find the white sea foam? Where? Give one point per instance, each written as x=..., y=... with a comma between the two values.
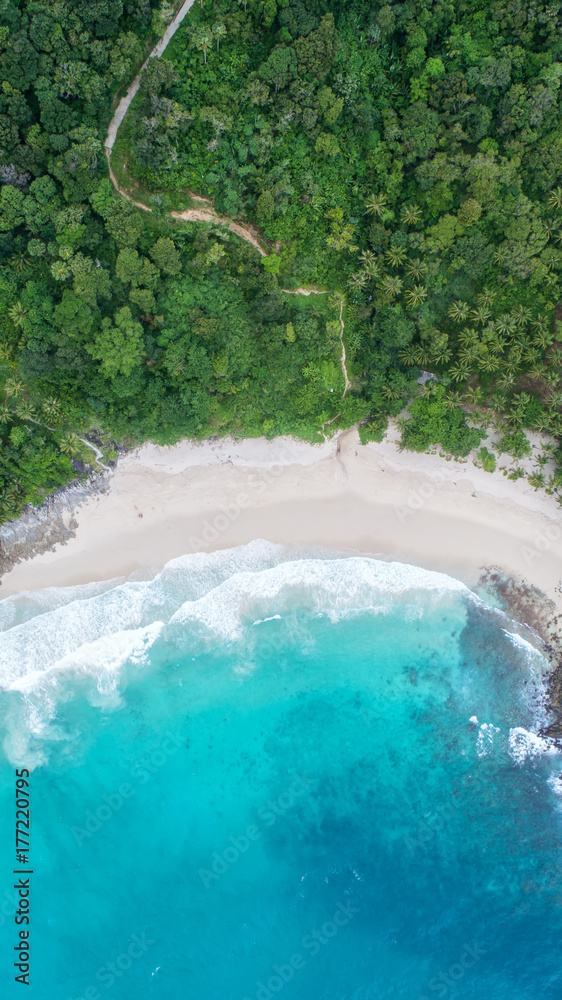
x=534, y=694
x=555, y=783
x=524, y=745
x=486, y=738
x=100, y=659
x=95, y=667
x=87, y=634
x=220, y=590
x=335, y=587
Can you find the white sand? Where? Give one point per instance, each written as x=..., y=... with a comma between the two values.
x=420, y=509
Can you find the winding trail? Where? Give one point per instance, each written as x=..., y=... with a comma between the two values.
x=195, y=214
x=157, y=51
x=98, y=454
x=343, y=358
x=206, y=214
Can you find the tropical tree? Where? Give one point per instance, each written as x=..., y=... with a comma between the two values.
x=358, y=280
x=391, y=286
x=459, y=373
x=415, y=296
x=13, y=387
x=219, y=31
x=395, y=256
x=416, y=269
x=17, y=314
x=486, y=298
x=375, y=205
x=367, y=257
x=411, y=214
x=459, y=311
x=372, y=269
x=480, y=315
x=202, y=39
x=69, y=444
x=505, y=323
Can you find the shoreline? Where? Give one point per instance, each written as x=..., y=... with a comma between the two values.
x=404, y=506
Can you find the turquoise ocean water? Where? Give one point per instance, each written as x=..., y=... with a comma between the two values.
x=268, y=773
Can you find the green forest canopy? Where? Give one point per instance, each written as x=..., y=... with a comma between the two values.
x=409, y=154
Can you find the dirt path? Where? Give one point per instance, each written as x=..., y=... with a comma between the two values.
x=157, y=51
x=97, y=452
x=191, y=214
x=343, y=358
x=209, y=215
x=196, y=214
x=247, y=233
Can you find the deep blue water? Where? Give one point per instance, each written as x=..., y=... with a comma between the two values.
x=257, y=775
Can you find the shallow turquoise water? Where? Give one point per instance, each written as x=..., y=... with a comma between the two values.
x=256, y=775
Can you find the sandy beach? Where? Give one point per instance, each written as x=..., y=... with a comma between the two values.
x=419, y=509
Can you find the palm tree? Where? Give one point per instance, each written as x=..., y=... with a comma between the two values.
x=469, y=354
x=486, y=298
x=25, y=410
x=458, y=311
x=540, y=322
x=395, y=256
x=426, y=390
x=415, y=296
x=452, y=399
x=537, y=480
x=13, y=387
x=411, y=214
x=521, y=316
x=469, y=337
x=203, y=40
x=505, y=323
x=409, y=355
x=500, y=256
x=416, y=269
x=51, y=407
x=358, y=280
x=555, y=198
x=367, y=257
x=550, y=226
x=372, y=269
x=423, y=356
x=489, y=363
x=391, y=286
x=19, y=261
x=17, y=314
x=375, y=205
x=442, y=355
x=459, y=373
x=69, y=444
x=480, y=315
x=219, y=31
x=391, y=392
x=555, y=399
x=5, y=413
x=474, y=395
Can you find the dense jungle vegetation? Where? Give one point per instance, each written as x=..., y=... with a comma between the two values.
x=406, y=155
